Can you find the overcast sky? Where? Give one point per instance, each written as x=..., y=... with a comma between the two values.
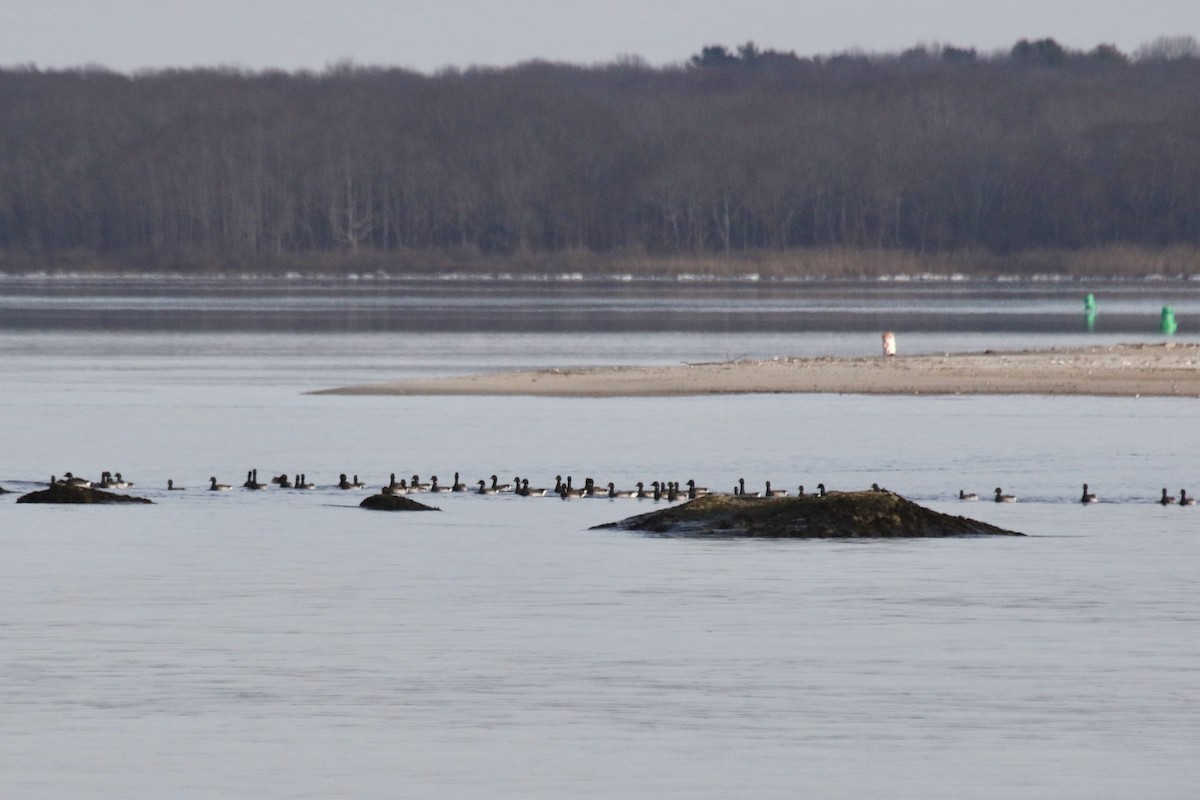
x=127, y=35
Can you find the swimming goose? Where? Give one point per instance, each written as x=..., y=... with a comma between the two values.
x=695, y=491
x=282, y=481
x=171, y=487
x=535, y=492
x=1088, y=497
x=484, y=488
x=967, y=496
x=458, y=486
x=218, y=487
x=396, y=488
x=672, y=491
x=417, y=486
x=774, y=492
x=302, y=482
x=1184, y=500
x=641, y=491
x=590, y=490
x=1005, y=498
x=251, y=480
x=435, y=487
x=357, y=484
x=109, y=480
x=343, y=483
x=1167, y=499
x=568, y=492
x=612, y=491
x=501, y=487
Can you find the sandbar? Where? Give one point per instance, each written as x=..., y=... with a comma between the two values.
x=1170, y=369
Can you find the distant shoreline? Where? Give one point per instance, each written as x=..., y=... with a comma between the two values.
x=1138, y=370
x=568, y=277
x=1099, y=264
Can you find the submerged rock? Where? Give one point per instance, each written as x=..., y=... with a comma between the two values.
x=866, y=514
x=61, y=493
x=394, y=502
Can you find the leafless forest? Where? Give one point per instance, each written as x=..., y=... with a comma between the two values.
x=1038, y=159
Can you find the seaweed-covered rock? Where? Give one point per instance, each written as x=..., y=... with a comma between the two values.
x=837, y=515
x=61, y=493
x=394, y=502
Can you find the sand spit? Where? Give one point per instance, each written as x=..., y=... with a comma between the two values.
x=1170, y=369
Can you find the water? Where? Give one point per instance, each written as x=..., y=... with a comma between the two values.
x=288, y=644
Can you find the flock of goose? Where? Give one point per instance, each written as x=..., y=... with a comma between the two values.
x=565, y=489
x=1088, y=497
x=301, y=481
x=655, y=490
x=108, y=480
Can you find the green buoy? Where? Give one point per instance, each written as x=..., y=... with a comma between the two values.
x=1167, y=325
x=1089, y=303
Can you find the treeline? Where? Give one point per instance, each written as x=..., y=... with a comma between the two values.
x=738, y=153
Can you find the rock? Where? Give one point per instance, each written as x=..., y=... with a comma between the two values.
x=394, y=502
x=61, y=493
x=865, y=514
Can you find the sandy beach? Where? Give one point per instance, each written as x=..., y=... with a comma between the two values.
x=1140, y=370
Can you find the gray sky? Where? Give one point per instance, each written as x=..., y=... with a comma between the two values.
x=128, y=35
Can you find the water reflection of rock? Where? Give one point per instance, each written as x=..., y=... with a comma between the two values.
x=868, y=514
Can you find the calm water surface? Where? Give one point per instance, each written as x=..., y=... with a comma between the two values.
x=287, y=644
